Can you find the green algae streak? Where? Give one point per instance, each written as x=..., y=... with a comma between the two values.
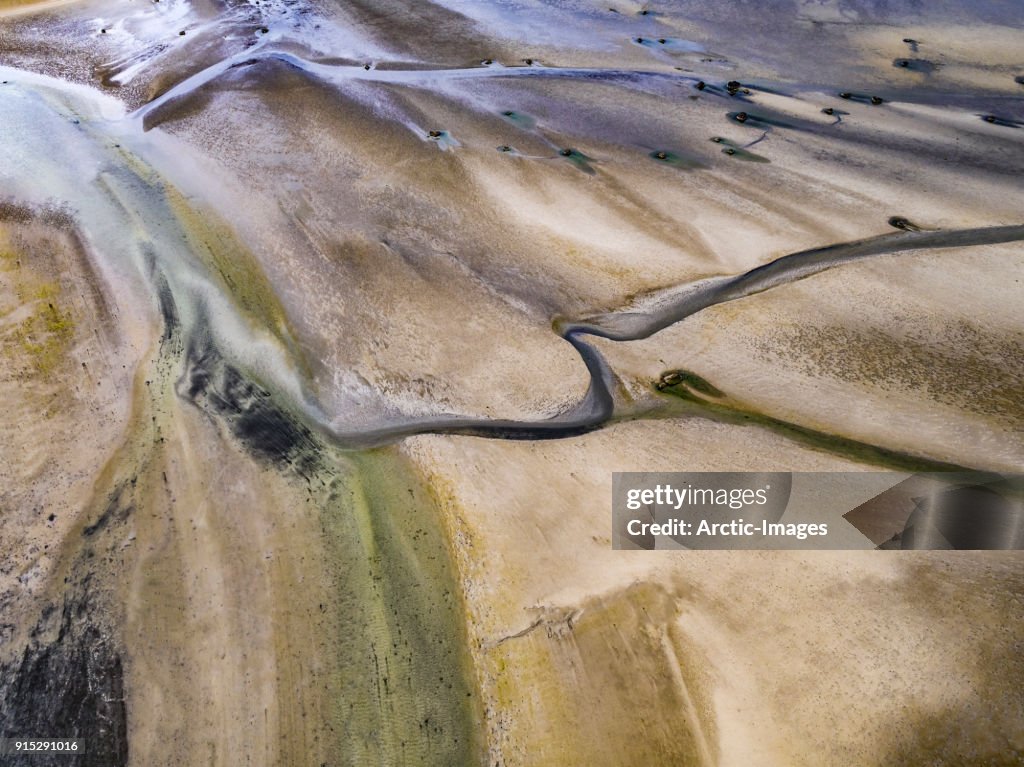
x=406, y=695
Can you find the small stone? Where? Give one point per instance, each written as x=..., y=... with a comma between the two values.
x=741, y=117
x=661, y=155
x=701, y=85
x=845, y=95
x=565, y=152
x=434, y=134
x=899, y=222
x=828, y=111
x=876, y=100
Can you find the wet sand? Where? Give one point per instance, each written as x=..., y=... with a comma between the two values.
x=325, y=325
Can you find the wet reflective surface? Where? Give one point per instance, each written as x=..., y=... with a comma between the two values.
x=326, y=323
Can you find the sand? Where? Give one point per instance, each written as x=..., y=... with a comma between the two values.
x=260, y=282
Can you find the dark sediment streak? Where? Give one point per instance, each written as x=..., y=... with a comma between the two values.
x=70, y=686
x=248, y=409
